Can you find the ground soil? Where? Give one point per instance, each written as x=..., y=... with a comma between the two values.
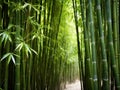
x=73, y=86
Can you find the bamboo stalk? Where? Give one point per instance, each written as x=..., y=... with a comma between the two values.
x=93, y=47
x=118, y=17
x=88, y=76
x=104, y=56
x=17, y=65
x=6, y=76
x=77, y=32
x=0, y=38
x=111, y=47
x=115, y=29
x=1, y=12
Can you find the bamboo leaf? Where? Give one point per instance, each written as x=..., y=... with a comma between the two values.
x=19, y=46
x=27, y=50
x=9, y=57
x=34, y=51
x=25, y=5
x=13, y=59
x=10, y=26
x=5, y=56
x=5, y=37
x=37, y=10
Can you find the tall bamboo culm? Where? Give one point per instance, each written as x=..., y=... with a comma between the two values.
x=111, y=47
x=105, y=77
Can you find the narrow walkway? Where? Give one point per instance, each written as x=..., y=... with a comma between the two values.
x=73, y=86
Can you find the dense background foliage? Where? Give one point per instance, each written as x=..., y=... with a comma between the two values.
x=46, y=43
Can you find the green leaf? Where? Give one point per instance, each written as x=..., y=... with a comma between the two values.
x=27, y=50
x=5, y=56
x=10, y=26
x=5, y=37
x=25, y=47
x=13, y=59
x=9, y=57
x=34, y=51
x=19, y=46
x=25, y=5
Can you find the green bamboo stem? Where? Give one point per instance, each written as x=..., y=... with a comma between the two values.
x=7, y=69
x=45, y=41
x=0, y=72
x=104, y=56
x=77, y=32
x=17, y=65
x=17, y=73
x=87, y=52
x=115, y=29
x=24, y=58
x=1, y=12
x=23, y=69
x=118, y=17
x=0, y=38
x=5, y=25
x=25, y=62
x=93, y=47
x=6, y=76
x=48, y=17
x=111, y=47
x=39, y=46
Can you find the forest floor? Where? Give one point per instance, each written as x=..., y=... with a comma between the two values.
x=73, y=86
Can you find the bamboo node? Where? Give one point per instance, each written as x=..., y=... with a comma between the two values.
x=101, y=38
x=90, y=78
x=116, y=56
x=94, y=62
x=18, y=64
x=109, y=21
x=118, y=86
x=106, y=79
x=111, y=43
x=17, y=83
x=98, y=7
x=86, y=39
x=84, y=20
x=91, y=22
x=104, y=60
x=93, y=43
x=95, y=79
x=88, y=59
x=115, y=39
x=114, y=66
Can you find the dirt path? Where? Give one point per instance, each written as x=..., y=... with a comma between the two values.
x=73, y=86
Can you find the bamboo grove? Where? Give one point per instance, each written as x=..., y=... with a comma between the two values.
x=46, y=43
